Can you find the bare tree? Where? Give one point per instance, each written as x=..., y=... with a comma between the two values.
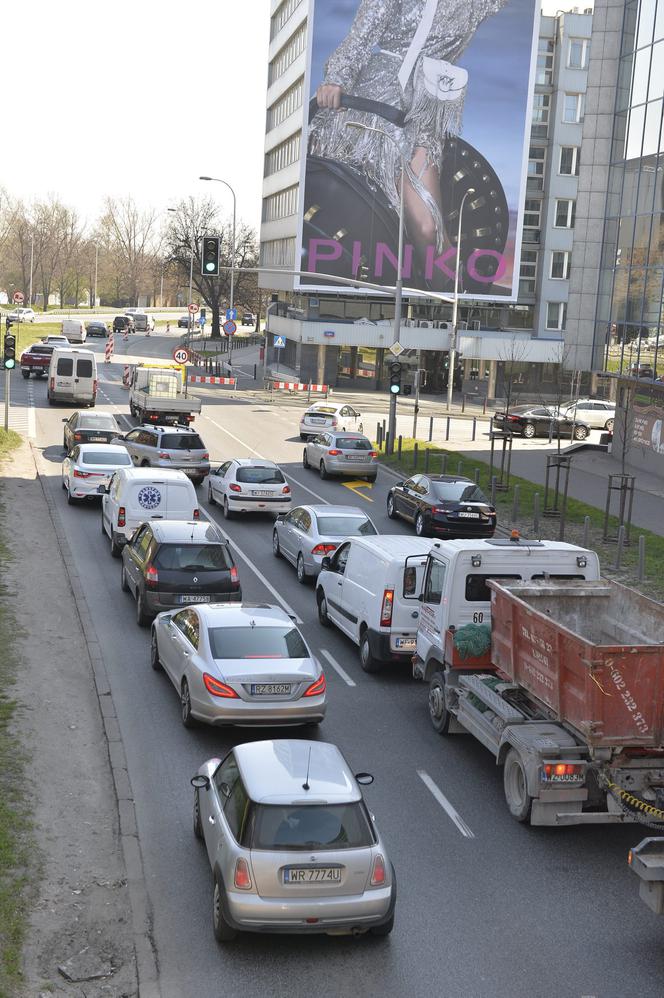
x=512, y=355
x=52, y=232
x=132, y=235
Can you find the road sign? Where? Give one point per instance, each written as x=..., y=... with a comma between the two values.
x=193, y=308
x=396, y=349
x=229, y=327
x=18, y=298
x=181, y=355
x=279, y=342
x=231, y=314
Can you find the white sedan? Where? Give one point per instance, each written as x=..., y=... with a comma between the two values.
x=329, y=416
x=249, y=485
x=89, y=465
x=22, y=315
x=597, y=413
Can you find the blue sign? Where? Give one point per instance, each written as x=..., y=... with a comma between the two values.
x=279, y=342
x=231, y=313
x=328, y=332
x=201, y=320
x=149, y=497
x=229, y=327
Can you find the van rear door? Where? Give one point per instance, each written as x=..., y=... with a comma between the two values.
x=148, y=500
x=406, y=605
x=85, y=380
x=64, y=373
x=180, y=500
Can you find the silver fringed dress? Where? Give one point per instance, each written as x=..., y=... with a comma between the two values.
x=367, y=64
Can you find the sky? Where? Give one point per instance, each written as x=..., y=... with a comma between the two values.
x=135, y=98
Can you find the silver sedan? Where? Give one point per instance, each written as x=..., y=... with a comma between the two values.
x=308, y=533
x=339, y=453
x=241, y=664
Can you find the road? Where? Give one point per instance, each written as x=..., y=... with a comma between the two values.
x=487, y=908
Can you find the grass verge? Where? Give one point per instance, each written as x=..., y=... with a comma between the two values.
x=14, y=816
x=520, y=515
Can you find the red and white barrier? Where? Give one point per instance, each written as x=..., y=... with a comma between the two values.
x=126, y=376
x=199, y=379
x=108, y=349
x=294, y=386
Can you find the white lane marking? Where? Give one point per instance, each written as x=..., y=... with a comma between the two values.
x=337, y=668
x=289, y=610
x=32, y=430
x=445, y=804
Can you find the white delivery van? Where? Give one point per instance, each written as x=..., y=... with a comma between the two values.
x=74, y=330
x=136, y=495
x=72, y=376
x=369, y=588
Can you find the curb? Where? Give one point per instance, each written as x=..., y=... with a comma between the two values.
x=146, y=959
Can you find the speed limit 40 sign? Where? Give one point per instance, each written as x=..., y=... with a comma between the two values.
x=181, y=355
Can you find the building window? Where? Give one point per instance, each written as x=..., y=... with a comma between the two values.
x=536, y=159
x=560, y=266
x=278, y=253
x=569, y=161
x=282, y=14
x=532, y=220
x=528, y=272
x=544, y=62
x=280, y=205
x=565, y=214
x=286, y=105
x=573, y=106
x=577, y=53
x=283, y=155
x=556, y=315
x=287, y=55
x=540, y=125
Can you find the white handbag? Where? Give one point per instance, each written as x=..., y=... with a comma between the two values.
x=443, y=80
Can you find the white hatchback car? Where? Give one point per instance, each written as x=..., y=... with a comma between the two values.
x=249, y=485
x=88, y=466
x=329, y=416
x=597, y=413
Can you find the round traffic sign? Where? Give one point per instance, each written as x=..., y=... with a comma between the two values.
x=181, y=355
x=19, y=298
x=193, y=308
x=229, y=327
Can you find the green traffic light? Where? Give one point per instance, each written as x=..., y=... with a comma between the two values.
x=395, y=389
x=10, y=363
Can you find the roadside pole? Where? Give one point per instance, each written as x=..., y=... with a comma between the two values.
x=6, y=399
x=417, y=402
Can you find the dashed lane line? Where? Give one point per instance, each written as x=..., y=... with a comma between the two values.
x=449, y=809
x=337, y=668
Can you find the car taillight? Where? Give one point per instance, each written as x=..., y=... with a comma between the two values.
x=151, y=577
x=81, y=474
x=335, y=422
x=235, y=578
x=324, y=548
x=378, y=874
x=386, y=608
x=373, y=453
x=218, y=689
x=316, y=688
x=242, y=878
x=513, y=419
x=51, y=384
x=122, y=514
x=334, y=452
x=286, y=490
x=563, y=772
x=235, y=488
x=78, y=436
x=164, y=454
x=197, y=514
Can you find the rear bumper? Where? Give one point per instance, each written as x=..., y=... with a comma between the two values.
x=335, y=467
x=252, y=913
x=467, y=528
x=381, y=645
x=156, y=602
x=259, y=504
x=306, y=710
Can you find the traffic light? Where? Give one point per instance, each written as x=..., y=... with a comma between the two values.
x=9, y=353
x=210, y=261
x=395, y=378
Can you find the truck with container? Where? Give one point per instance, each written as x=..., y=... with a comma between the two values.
x=158, y=394
x=557, y=672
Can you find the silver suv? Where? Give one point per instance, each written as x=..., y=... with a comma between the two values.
x=175, y=447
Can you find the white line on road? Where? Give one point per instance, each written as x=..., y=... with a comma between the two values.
x=32, y=430
x=445, y=804
x=337, y=668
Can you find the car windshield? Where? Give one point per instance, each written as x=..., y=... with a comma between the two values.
x=345, y=526
x=115, y=459
x=97, y=421
x=257, y=642
x=193, y=558
x=458, y=492
x=42, y=348
x=181, y=441
x=311, y=826
x=353, y=443
x=260, y=476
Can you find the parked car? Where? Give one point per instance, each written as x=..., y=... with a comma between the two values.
x=597, y=413
x=172, y=563
x=22, y=315
x=248, y=319
x=168, y=447
x=87, y=466
x=249, y=485
x=239, y=664
x=293, y=845
x=72, y=376
x=36, y=360
x=537, y=421
x=123, y=324
x=641, y=371
x=339, y=453
x=308, y=533
x=183, y=322
x=96, y=328
x=137, y=495
x=90, y=427
x=329, y=416
x=446, y=505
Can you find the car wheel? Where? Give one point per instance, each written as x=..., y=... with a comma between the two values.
x=529, y=431
x=323, y=618
x=515, y=785
x=26, y=374
x=211, y=499
x=70, y=498
x=142, y=618
x=305, y=459
x=367, y=660
x=372, y=478
x=116, y=550
x=608, y=426
x=384, y=929
x=580, y=432
x=145, y=464
x=438, y=712
x=228, y=513
x=421, y=528
x=391, y=509
x=323, y=471
x=303, y=436
x=302, y=576
x=154, y=652
x=124, y=585
x=276, y=549
x=223, y=932
x=103, y=528
x=64, y=444
x=198, y=824
x=185, y=706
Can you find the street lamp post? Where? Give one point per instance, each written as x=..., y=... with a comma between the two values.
x=398, y=287
x=217, y=180
x=455, y=306
x=94, y=297
x=32, y=260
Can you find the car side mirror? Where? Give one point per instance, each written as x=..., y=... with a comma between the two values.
x=65, y=419
x=200, y=782
x=365, y=779
x=102, y=490
x=398, y=484
x=420, y=597
x=281, y=517
x=326, y=564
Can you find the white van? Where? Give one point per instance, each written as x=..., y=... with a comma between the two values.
x=74, y=330
x=72, y=376
x=135, y=495
x=369, y=588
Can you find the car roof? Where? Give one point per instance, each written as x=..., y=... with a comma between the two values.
x=241, y=615
x=347, y=433
x=480, y=546
x=390, y=545
x=273, y=772
x=254, y=462
x=104, y=448
x=97, y=417
x=325, y=510
x=449, y=479
x=186, y=531
x=154, y=474
x=166, y=429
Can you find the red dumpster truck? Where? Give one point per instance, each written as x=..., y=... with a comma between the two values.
x=567, y=691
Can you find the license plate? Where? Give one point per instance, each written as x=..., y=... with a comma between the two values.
x=97, y=440
x=318, y=422
x=270, y=689
x=357, y=457
x=194, y=599
x=407, y=644
x=259, y=492
x=470, y=516
x=312, y=875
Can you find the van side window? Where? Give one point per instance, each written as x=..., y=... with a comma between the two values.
x=83, y=368
x=340, y=558
x=65, y=366
x=477, y=590
x=434, y=582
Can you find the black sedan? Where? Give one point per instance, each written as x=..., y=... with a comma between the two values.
x=183, y=322
x=538, y=421
x=89, y=428
x=443, y=504
x=96, y=328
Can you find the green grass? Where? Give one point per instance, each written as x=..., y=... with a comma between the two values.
x=15, y=852
x=653, y=583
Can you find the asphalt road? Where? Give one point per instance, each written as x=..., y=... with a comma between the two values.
x=486, y=909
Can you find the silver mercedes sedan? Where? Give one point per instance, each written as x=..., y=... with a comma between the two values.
x=308, y=533
x=243, y=664
x=334, y=452
x=291, y=842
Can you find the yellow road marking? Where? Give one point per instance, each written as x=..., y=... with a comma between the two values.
x=357, y=485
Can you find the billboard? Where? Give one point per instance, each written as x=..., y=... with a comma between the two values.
x=435, y=91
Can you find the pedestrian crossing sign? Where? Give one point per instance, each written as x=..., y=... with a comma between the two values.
x=279, y=342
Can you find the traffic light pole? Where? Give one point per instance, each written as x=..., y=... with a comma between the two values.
x=7, y=374
x=398, y=290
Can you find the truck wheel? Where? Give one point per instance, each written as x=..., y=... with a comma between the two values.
x=26, y=374
x=438, y=712
x=367, y=660
x=515, y=785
